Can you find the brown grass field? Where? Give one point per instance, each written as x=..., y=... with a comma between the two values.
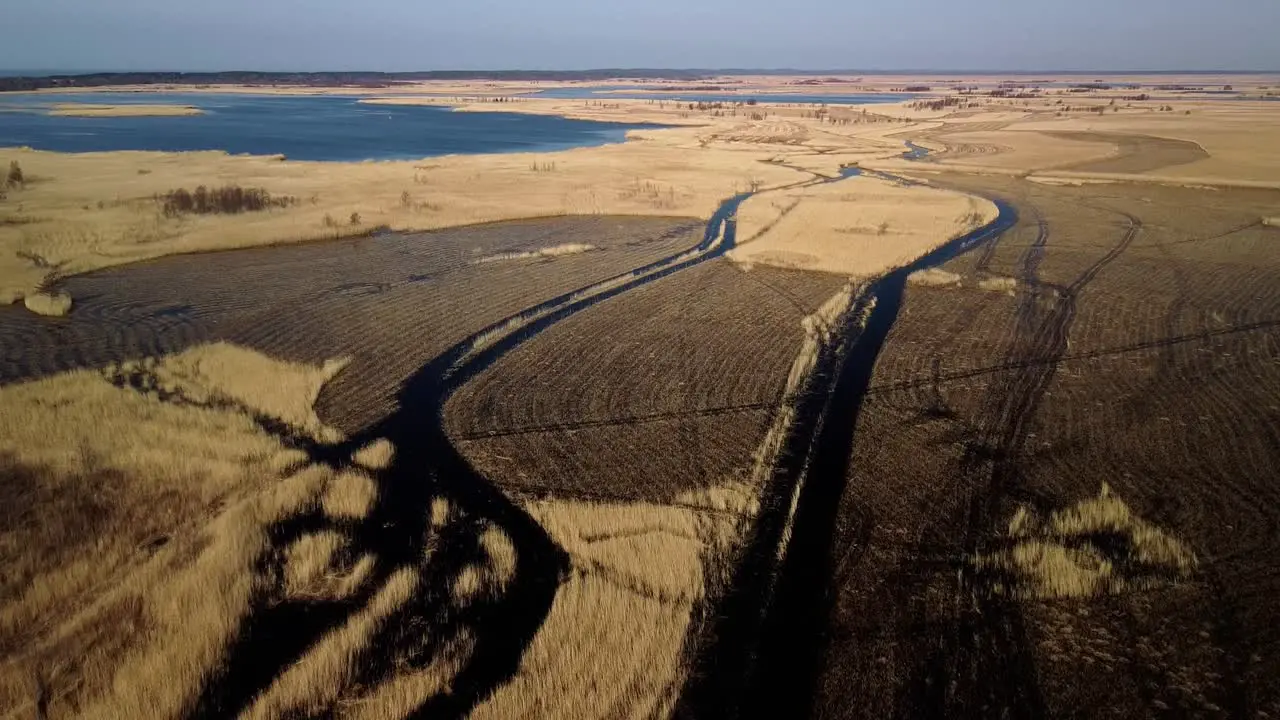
x=593, y=409
x=988, y=433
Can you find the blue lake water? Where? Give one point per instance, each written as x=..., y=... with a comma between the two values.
x=633, y=92
x=301, y=128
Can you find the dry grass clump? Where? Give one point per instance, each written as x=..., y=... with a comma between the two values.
x=403, y=693
x=220, y=373
x=136, y=504
x=489, y=574
x=998, y=284
x=55, y=304
x=314, y=684
x=612, y=644
x=937, y=277
x=349, y=496
x=1095, y=547
x=881, y=229
x=934, y=277
x=603, y=651
x=656, y=196
x=546, y=252
x=318, y=566
x=377, y=455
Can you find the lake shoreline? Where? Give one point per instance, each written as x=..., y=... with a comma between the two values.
x=326, y=128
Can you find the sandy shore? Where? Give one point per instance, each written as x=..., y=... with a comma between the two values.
x=92, y=110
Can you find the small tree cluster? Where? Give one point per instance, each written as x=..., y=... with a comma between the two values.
x=227, y=200
x=15, y=177
x=939, y=104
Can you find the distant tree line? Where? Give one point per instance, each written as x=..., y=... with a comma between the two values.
x=939, y=104
x=331, y=79
x=227, y=200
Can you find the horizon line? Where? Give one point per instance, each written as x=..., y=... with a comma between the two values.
x=79, y=72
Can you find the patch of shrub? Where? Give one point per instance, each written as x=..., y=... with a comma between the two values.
x=226, y=200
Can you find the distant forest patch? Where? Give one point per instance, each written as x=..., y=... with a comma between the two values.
x=331, y=79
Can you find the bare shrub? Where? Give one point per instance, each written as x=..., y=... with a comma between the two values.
x=651, y=192
x=973, y=219
x=407, y=201
x=15, y=177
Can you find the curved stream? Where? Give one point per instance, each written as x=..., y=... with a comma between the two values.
x=768, y=629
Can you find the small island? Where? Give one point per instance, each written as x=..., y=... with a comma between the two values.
x=93, y=110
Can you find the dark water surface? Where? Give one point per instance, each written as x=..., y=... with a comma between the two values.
x=301, y=128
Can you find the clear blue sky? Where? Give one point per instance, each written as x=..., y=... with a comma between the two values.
x=575, y=34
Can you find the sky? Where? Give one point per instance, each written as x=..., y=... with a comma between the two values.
x=406, y=35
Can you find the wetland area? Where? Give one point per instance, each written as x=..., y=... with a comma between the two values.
x=846, y=402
